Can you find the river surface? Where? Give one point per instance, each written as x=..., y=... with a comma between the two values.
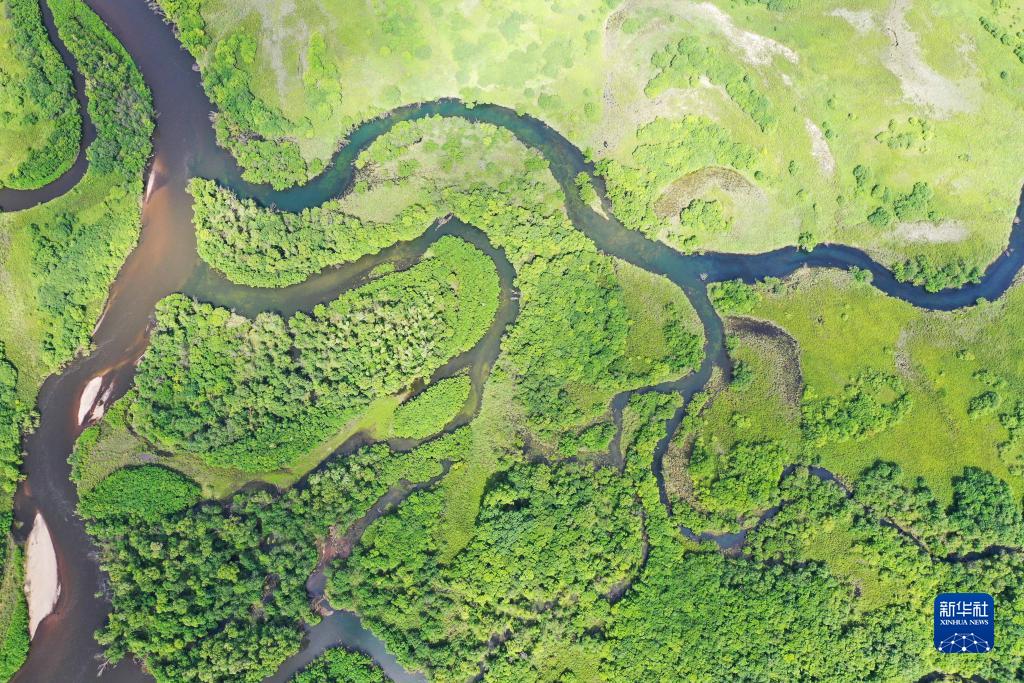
x=165, y=261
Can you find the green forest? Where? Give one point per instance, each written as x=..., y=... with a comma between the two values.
x=256, y=394
x=217, y=592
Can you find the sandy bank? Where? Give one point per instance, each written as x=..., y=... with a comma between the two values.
x=91, y=405
x=88, y=397
x=42, y=584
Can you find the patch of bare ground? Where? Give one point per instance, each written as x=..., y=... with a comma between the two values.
x=931, y=232
x=922, y=84
x=862, y=21
x=820, y=149
x=757, y=49
x=901, y=357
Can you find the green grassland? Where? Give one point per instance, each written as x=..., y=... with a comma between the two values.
x=40, y=126
x=726, y=460
x=959, y=372
x=829, y=111
x=665, y=95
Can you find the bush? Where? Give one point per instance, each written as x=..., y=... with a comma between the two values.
x=432, y=409
x=149, y=492
x=923, y=272
x=983, y=404
x=588, y=195
x=704, y=217
x=984, y=509
x=339, y=665
x=733, y=296
x=860, y=411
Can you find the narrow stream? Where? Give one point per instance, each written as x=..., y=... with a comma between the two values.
x=165, y=261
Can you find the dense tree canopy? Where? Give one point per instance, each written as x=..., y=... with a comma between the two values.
x=218, y=592
x=338, y=665
x=254, y=394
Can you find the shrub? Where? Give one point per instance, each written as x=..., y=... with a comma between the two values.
x=149, y=492
x=733, y=296
x=339, y=665
x=983, y=404
x=432, y=409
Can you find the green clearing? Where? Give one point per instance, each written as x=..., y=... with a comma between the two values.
x=837, y=136
x=40, y=125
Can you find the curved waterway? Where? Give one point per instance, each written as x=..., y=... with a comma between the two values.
x=165, y=261
x=15, y=200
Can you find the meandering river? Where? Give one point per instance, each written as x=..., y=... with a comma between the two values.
x=165, y=261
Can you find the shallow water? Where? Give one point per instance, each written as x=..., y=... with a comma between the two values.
x=165, y=261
